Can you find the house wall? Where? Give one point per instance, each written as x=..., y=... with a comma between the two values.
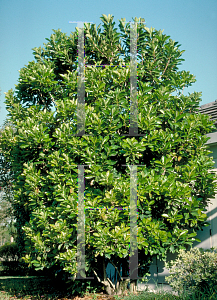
x=213, y=148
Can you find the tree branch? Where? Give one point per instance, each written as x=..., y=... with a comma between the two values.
x=52, y=98
x=97, y=276
x=115, y=268
x=166, y=67
x=104, y=282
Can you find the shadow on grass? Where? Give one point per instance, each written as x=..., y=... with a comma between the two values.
x=17, y=284
x=43, y=287
x=30, y=285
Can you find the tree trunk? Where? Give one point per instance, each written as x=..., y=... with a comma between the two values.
x=110, y=288
x=133, y=285
x=108, y=285
x=121, y=286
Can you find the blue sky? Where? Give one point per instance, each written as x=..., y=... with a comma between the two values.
x=25, y=24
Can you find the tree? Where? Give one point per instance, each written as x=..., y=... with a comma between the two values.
x=173, y=178
x=4, y=208
x=6, y=196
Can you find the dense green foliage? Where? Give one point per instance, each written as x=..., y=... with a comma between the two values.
x=174, y=182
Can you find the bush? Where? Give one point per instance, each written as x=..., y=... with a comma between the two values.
x=9, y=251
x=12, y=263
x=9, y=254
x=193, y=271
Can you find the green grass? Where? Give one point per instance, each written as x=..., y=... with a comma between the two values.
x=41, y=287
x=29, y=287
x=166, y=295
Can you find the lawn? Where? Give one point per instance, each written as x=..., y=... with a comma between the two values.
x=41, y=287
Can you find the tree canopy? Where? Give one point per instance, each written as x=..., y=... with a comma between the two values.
x=174, y=182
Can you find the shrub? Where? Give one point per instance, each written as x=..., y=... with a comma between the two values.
x=9, y=251
x=194, y=270
x=12, y=263
x=9, y=254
